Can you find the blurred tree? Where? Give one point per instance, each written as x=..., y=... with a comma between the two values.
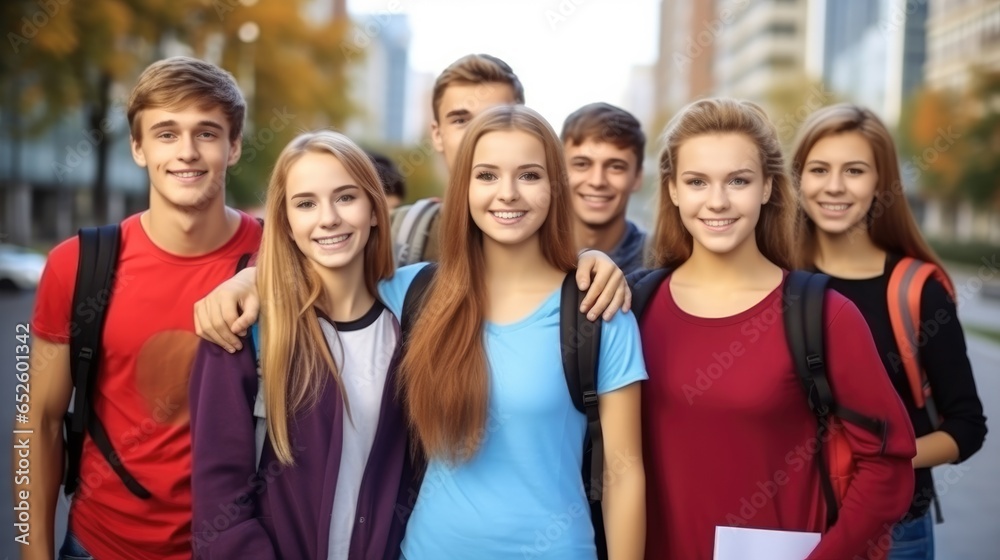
x=297, y=81
x=790, y=102
x=419, y=165
x=930, y=138
x=68, y=57
x=980, y=178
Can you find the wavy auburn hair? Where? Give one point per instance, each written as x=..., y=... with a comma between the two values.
x=673, y=242
x=444, y=370
x=891, y=225
x=294, y=354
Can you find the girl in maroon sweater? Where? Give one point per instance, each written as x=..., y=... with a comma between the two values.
x=859, y=228
x=729, y=438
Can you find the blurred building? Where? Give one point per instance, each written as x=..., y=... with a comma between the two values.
x=419, y=113
x=379, y=77
x=961, y=34
x=873, y=51
x=640, y=98
x=46, y=180
x=762, y=46
x=689, y=31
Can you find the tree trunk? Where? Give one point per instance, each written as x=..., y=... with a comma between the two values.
x=99, y=116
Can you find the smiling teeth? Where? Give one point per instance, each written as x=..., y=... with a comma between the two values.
x=718, y=223
x=332, y=240
x=508, y=215
x=189, y=174
x=835, y=207
x=595, y=198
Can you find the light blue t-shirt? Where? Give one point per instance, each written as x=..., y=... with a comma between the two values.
x=521, y=495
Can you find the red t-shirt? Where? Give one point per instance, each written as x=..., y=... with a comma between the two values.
x=142, y=389
x=729, y=437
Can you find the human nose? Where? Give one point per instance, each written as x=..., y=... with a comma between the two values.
x=187, y=148
x=597, y=177
x=329, y=216
x=718, y=199
x=508, y=191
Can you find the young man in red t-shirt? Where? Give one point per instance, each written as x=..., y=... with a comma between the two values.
x=186, y=120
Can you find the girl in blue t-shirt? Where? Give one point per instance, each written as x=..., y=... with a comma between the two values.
x=483, y=379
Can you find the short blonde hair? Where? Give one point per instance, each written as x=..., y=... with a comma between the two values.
x=180, y=81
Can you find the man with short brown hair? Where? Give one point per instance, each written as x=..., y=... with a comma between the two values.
x=604, y=148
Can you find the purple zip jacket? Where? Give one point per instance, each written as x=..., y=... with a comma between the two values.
x=283, y=511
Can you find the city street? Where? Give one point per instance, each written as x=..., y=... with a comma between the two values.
x=970, y=493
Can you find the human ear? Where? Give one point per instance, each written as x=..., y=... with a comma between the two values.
x=137, y=154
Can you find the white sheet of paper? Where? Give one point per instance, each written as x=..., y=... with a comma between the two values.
x=739, y=543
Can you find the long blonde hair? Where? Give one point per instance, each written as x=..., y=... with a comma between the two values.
x=294, y=353
x=445, y=385
x=673, y=242
x=892, y=226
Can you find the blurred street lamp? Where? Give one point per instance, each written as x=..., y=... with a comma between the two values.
x=248, y=34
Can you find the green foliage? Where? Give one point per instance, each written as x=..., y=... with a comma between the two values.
x=964, y=252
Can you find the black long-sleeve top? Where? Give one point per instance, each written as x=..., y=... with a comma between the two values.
x=942, y=355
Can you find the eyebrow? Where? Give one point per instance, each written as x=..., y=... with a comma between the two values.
x=172, y=123
x=458, y=113
x=335, y=191
x=731, y=174
x=855, y=162
x=519, y=167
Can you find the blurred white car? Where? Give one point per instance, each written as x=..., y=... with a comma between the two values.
x=20, y=268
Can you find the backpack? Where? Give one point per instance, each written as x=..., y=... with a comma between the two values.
x=410, y=230
x=96, y=266
x=803, y=299
x=906, y=284
x=580, y=342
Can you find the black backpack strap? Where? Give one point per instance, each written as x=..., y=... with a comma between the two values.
x=644, y=284
x=414, y=299
x=242, y=263
x=96, y=263
x=96, y=267
x=580, y=342
x=804, y=296
x=804, y=293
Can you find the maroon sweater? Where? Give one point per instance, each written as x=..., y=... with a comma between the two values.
x=729, y=438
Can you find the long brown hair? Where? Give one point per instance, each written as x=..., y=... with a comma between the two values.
x=892, y=226
x=294, y=353
x=444, y=370
x=674, y=243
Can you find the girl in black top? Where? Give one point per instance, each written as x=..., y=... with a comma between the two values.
x=857, y=227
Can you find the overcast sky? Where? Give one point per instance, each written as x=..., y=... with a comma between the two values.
x=566, y=52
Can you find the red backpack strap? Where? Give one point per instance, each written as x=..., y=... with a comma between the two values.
x=906, y=284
